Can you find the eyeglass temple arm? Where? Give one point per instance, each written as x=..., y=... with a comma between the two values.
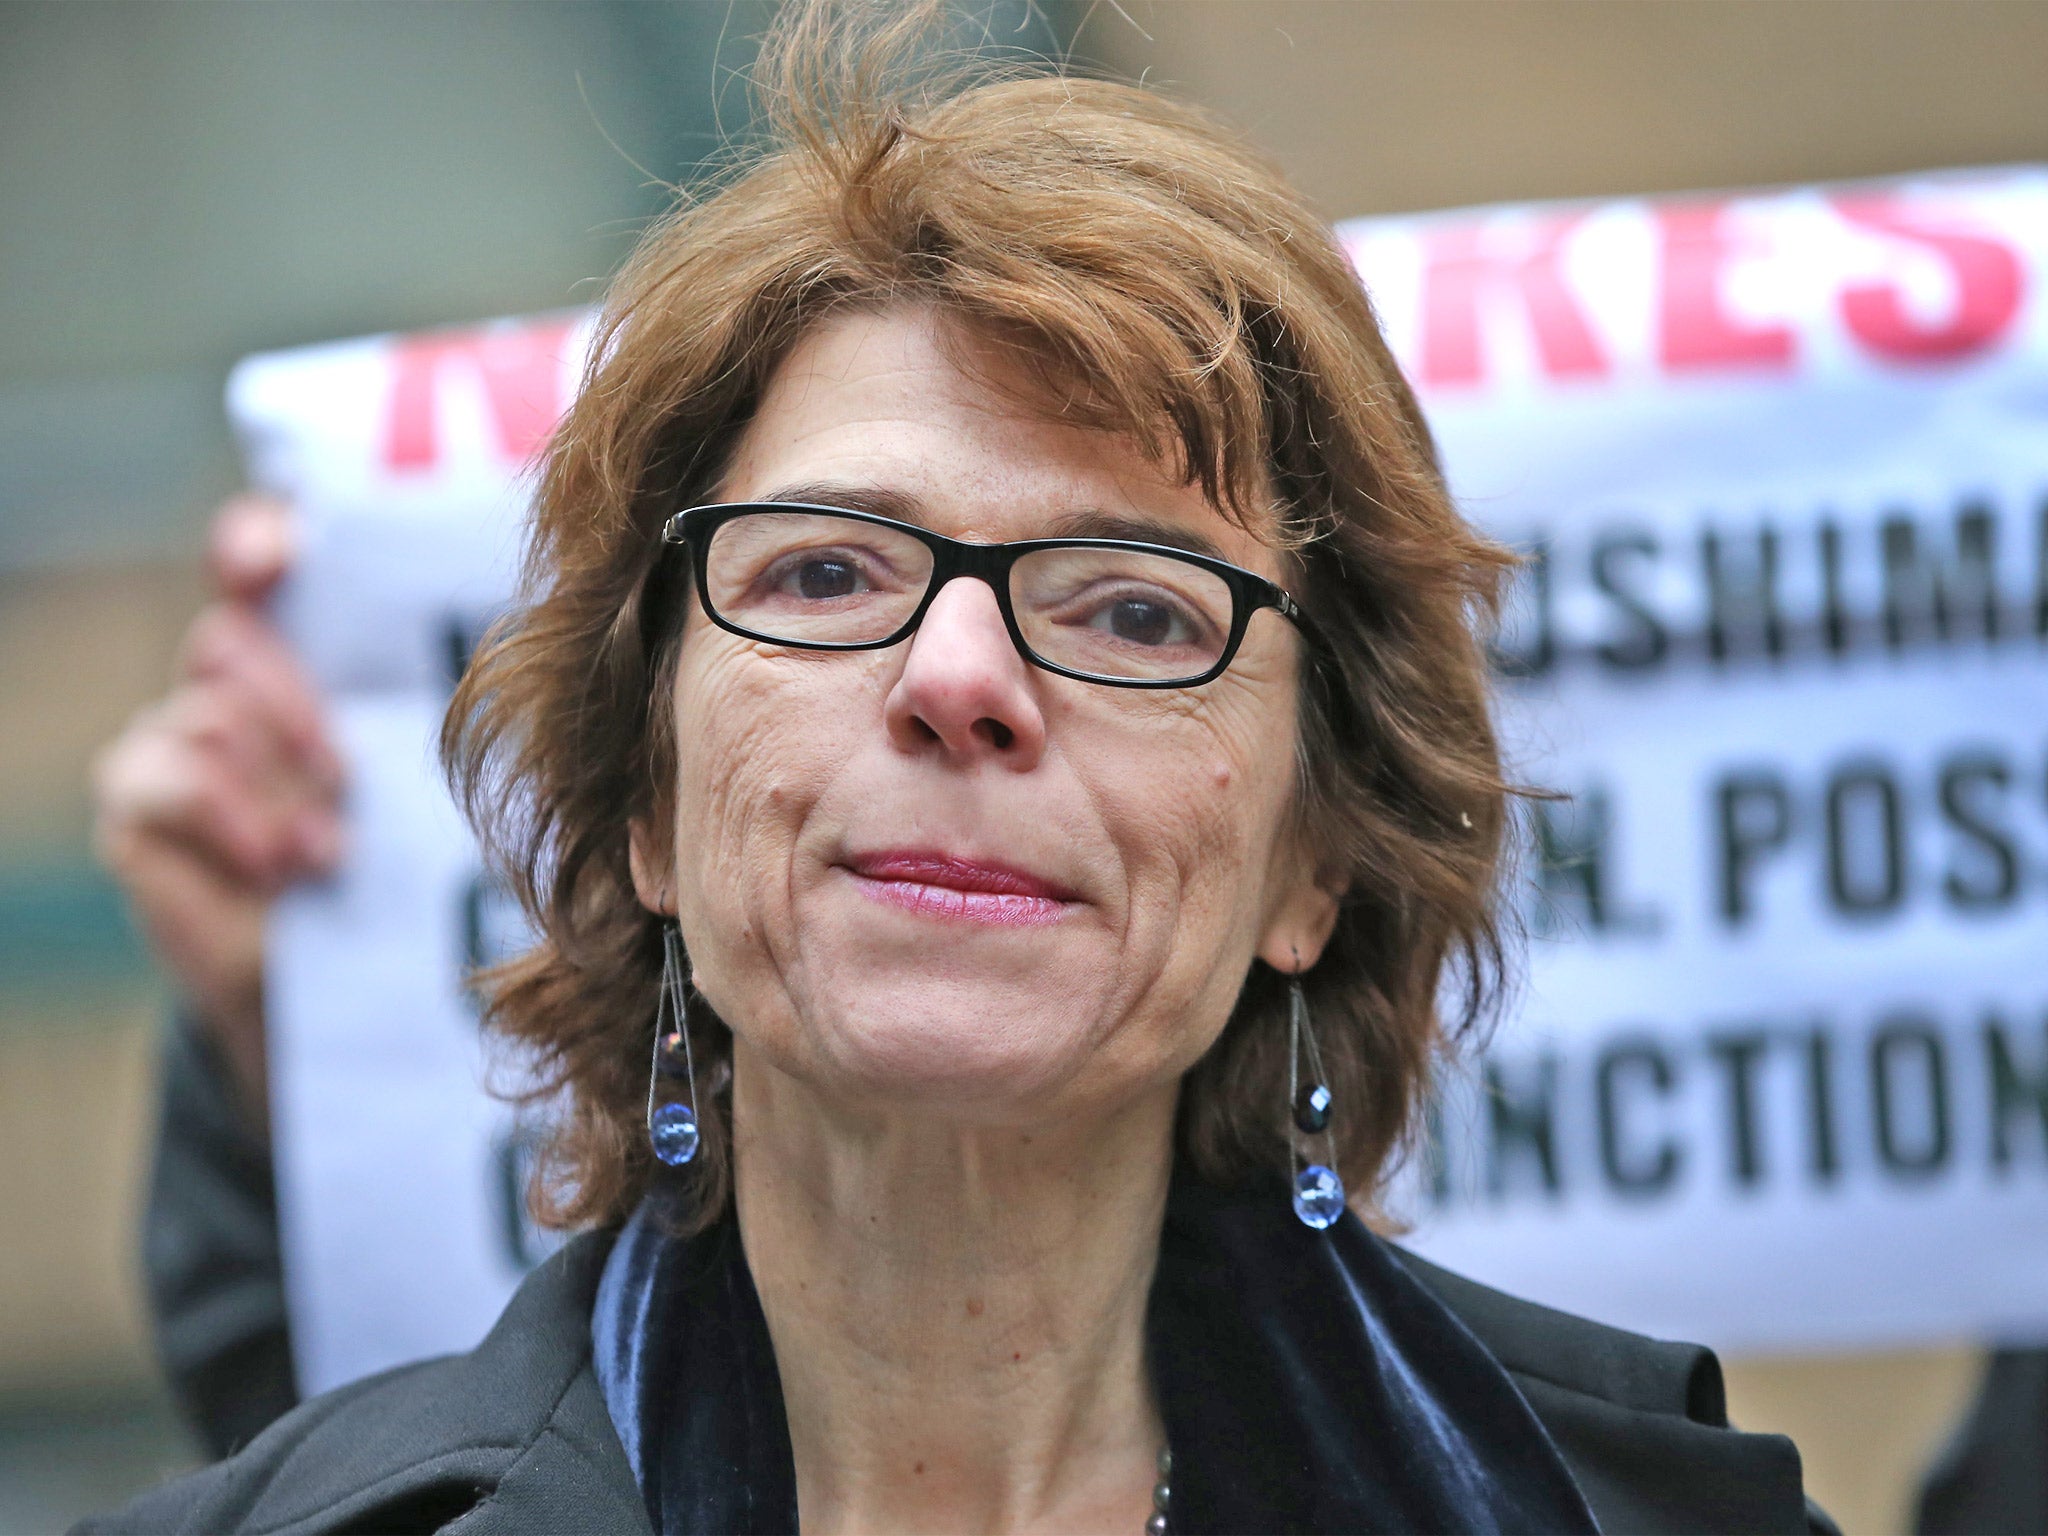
x=1291, y=610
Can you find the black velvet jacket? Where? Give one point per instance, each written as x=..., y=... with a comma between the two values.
x=1306, y=1382
x=515, y=1436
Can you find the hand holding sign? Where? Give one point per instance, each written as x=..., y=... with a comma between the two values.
x=218, y=796
x=403, y=459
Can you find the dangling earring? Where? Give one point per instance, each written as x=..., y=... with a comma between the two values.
x=1318, y=1192
x=672, y=1126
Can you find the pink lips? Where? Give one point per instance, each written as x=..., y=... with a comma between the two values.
x=939, y=885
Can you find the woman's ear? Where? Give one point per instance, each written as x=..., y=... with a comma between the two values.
x=1300, y=925
x=653, y=868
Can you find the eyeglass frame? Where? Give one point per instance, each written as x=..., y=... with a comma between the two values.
x=991, y=564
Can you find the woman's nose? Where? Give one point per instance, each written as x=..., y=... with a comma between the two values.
x=964, y=689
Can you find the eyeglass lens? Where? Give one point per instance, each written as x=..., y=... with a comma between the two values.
x=808, y=578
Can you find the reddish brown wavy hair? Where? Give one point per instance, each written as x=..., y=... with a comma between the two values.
x=1167, y=284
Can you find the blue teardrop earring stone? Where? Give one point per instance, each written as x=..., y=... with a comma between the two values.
x=1318, y=1196
x=673, y=1130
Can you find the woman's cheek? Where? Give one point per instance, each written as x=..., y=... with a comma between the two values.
x=739, y=781
x=1199, y=835
x=1175, y=852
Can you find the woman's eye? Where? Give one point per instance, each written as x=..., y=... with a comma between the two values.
x=819, y=576
x=1144, y=623
x=1145, y=620
x=820, y=579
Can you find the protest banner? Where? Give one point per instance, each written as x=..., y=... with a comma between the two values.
x=1777, y=1074
x=400, y=1175
x=1780, y=460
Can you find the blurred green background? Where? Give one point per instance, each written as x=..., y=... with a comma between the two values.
x=185, y=182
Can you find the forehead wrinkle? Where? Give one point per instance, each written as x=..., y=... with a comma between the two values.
x=984, y=374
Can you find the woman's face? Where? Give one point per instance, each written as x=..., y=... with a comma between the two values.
x=840, y=819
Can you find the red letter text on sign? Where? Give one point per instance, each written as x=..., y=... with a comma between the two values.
x=1694, y=330
x=1461, y=266
x=1988, y=280
x=519, y=368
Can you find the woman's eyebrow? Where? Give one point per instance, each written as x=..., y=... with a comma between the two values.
x=1097, y=524
x=1087, y=523
x=878, y=501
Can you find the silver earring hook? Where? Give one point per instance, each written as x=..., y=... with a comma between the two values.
x=674, y=985
x=1299, y=1028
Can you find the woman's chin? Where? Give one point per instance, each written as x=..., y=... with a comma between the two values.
x=1001, y=1060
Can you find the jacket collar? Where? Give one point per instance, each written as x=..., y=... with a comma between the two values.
x=1307, y=1381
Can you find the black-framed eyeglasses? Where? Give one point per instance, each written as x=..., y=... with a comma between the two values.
x=1111, y=611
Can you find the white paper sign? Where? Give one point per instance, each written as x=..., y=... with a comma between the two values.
x=1779, y=1076
x=400, y=1176
x=1778, y=1073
